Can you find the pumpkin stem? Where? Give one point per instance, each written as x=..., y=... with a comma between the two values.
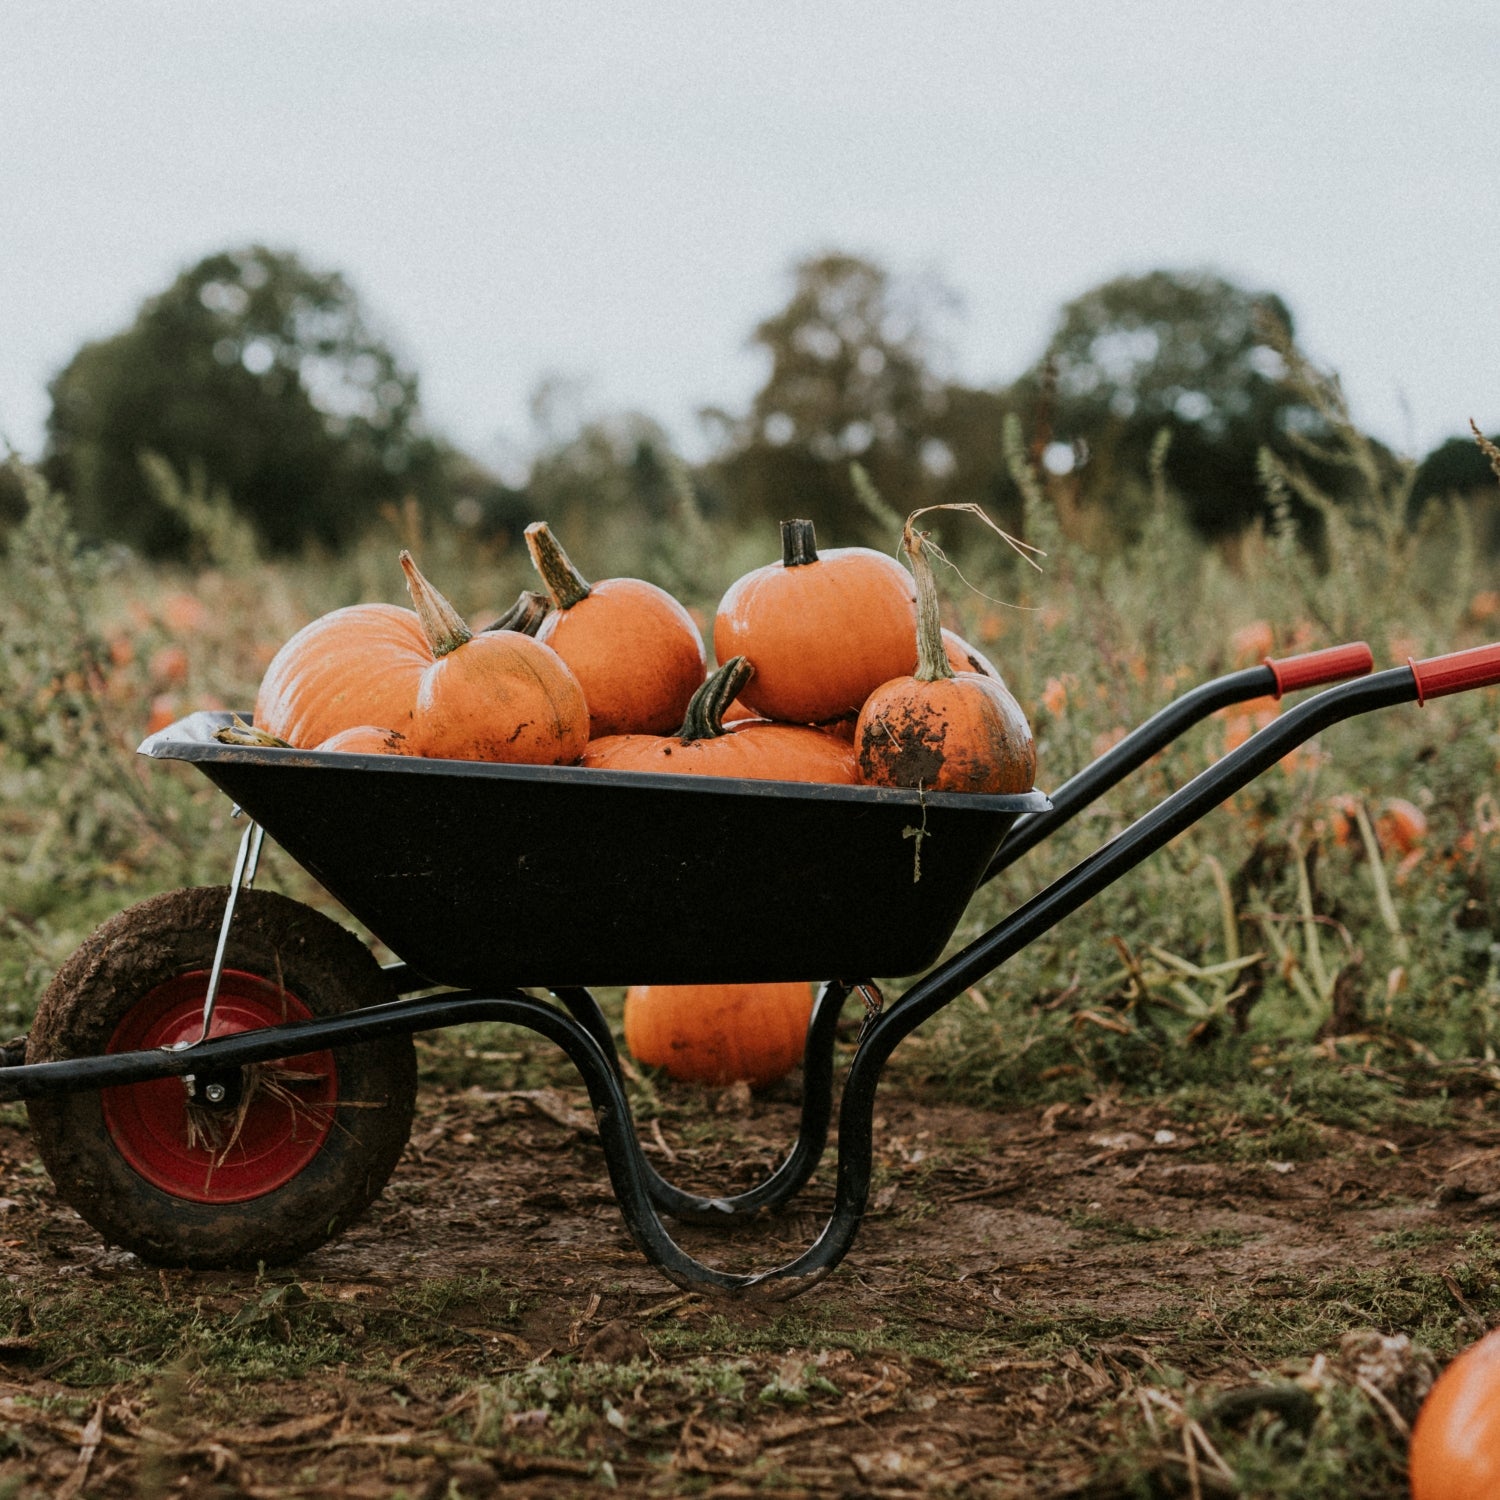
x=525, y=615
x=241, y=733
x=932, y=659
x=798, y=544
x=442, y=624
x=565, y=583
x=704, y=719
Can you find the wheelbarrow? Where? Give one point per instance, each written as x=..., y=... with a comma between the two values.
x=226, y=1077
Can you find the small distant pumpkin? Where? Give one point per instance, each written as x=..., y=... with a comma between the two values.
x=705, y=745
x=635, y=650
x=823, y=629
x=719, y=1033
x=941, y=730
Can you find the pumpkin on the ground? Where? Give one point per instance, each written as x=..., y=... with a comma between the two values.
x=1455, y=1445
x=719, y=1033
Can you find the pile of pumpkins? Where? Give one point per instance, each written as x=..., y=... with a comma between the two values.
x=835, y=668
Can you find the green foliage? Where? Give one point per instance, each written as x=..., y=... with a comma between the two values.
x=1193, y=354
x=260, y=372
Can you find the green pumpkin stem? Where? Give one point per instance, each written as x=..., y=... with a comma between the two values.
x=799, y=546
x=442, y=624
x=525, y=616
x=932, y=660
x=564, y=582
x=705, y=711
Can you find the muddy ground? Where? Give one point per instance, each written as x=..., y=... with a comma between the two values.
x=1036, y=1299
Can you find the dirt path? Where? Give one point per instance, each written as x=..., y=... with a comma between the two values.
x=1027, y=1298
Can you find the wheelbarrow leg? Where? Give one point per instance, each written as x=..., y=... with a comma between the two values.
x=812, y=1136
x=246, y=863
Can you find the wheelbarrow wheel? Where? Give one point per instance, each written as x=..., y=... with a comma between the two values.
x=260, y=1165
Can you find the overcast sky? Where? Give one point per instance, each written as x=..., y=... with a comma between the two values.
x=616, y=191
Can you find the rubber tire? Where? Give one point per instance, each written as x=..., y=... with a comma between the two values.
x=325, y=966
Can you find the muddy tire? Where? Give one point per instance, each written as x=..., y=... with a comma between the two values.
x=289, y=1153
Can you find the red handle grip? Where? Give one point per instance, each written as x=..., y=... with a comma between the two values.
x=1457, y=672
x=1313, y=668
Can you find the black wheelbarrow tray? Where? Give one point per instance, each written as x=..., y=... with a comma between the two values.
x=226, y=1077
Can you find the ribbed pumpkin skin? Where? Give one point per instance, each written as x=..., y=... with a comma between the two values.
x=356, y=665
x=719, y=1033
x=822, y=635
x=636, y=653
x=500, y=696
x=964, y=733
x=753, y=748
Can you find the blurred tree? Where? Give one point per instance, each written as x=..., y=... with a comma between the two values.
x=265, y=375
x=1460, y=470
x=12, y=493
x=587, y=466
x=1188, y=351
x=850, y=377
x=1458, y=466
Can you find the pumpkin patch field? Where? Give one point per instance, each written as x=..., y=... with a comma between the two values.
x=1197, y=1195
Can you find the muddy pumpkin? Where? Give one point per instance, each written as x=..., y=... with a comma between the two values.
x=941, y=730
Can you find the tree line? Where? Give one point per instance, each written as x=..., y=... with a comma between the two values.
x=259, y=377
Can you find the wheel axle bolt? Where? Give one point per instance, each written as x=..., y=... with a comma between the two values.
x=214, y=1093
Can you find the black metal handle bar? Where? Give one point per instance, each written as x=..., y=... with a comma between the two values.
x=1271, y=679
x=623, y=1156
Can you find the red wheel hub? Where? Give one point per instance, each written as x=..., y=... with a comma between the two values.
x=253, y=1145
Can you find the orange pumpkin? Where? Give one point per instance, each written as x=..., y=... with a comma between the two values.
x=498, y=695
x=824, y=630
x=719, y=1033
x=367, y=739
x=706, y=746
x=1402, y=825
x=357, y=665
x=938, y=729
x=1455, y=1445
x=634, y=649
x=963, y=657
